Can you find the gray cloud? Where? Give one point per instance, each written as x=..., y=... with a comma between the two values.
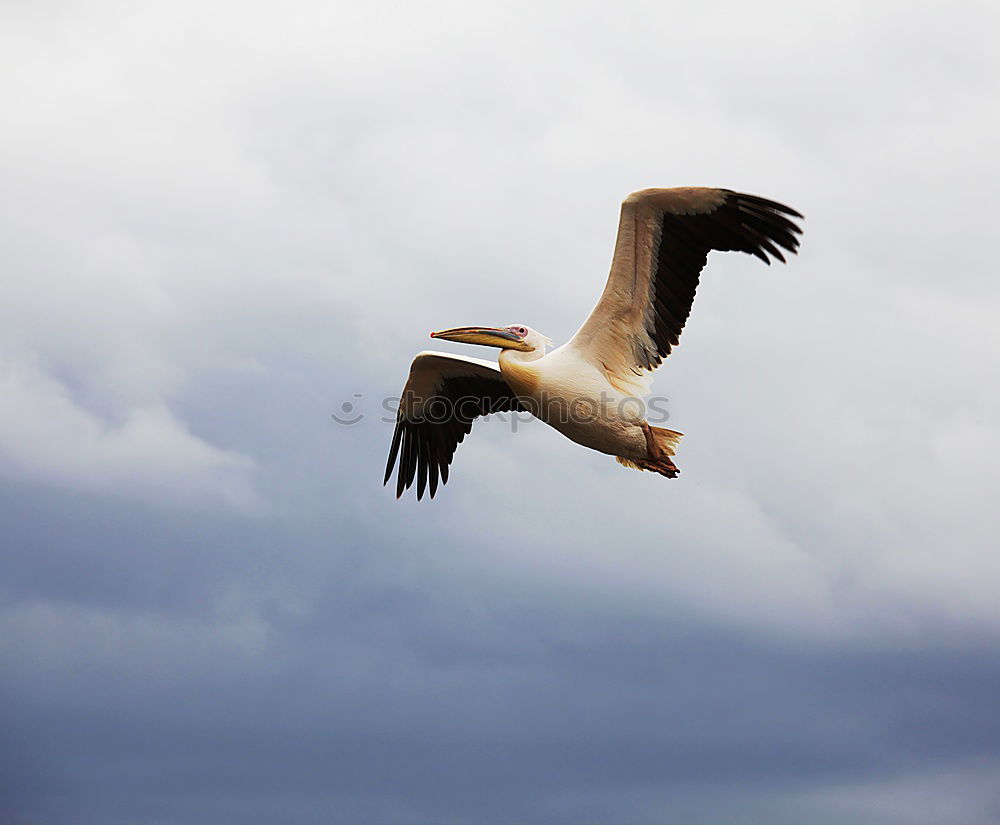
x=420, y=692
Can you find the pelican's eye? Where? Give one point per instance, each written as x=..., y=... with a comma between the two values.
x=522, y=331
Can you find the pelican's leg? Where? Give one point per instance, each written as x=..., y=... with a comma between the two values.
x=651, y=448
x=658, y=461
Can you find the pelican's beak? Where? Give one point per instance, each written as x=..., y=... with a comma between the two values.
x=487, y=336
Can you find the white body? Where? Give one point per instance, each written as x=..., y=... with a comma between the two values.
x=569, y=394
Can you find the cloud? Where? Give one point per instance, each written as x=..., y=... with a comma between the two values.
x=45, y=435
x=225, y=222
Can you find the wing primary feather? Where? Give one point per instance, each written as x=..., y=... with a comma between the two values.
x=421, y=465
x=432, y=468
x=776, y=223
x=762, y=244
x=767, y=204
x=434, y=448
x=401, y=472
x=762, y=228
x=411, y=457
x=397, y=434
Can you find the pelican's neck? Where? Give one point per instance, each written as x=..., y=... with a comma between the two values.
x=517, y=356
x=518, y=370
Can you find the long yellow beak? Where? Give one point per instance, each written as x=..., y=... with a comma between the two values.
x=486, y=336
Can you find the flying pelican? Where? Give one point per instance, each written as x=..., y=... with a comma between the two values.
x=590, y=388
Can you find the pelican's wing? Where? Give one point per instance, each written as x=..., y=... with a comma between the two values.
x=664, y=237
x=442, y=397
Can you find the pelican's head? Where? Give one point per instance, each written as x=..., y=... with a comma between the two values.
x=517, y=337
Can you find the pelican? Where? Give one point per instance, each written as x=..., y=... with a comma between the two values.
x=591, y=388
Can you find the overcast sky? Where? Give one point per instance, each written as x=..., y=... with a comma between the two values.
x=221, y=223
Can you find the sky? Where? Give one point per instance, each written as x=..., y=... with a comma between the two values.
x=226, y=226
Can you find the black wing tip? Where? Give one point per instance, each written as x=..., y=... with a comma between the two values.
x=778, y=230
x=413, y=461
x=402, y=488
x=766, y=203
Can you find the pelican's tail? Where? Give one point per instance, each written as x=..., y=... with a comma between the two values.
x=667, y=442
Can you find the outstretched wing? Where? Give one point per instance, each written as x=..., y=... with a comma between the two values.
x=442, y=397
x=664, y=237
